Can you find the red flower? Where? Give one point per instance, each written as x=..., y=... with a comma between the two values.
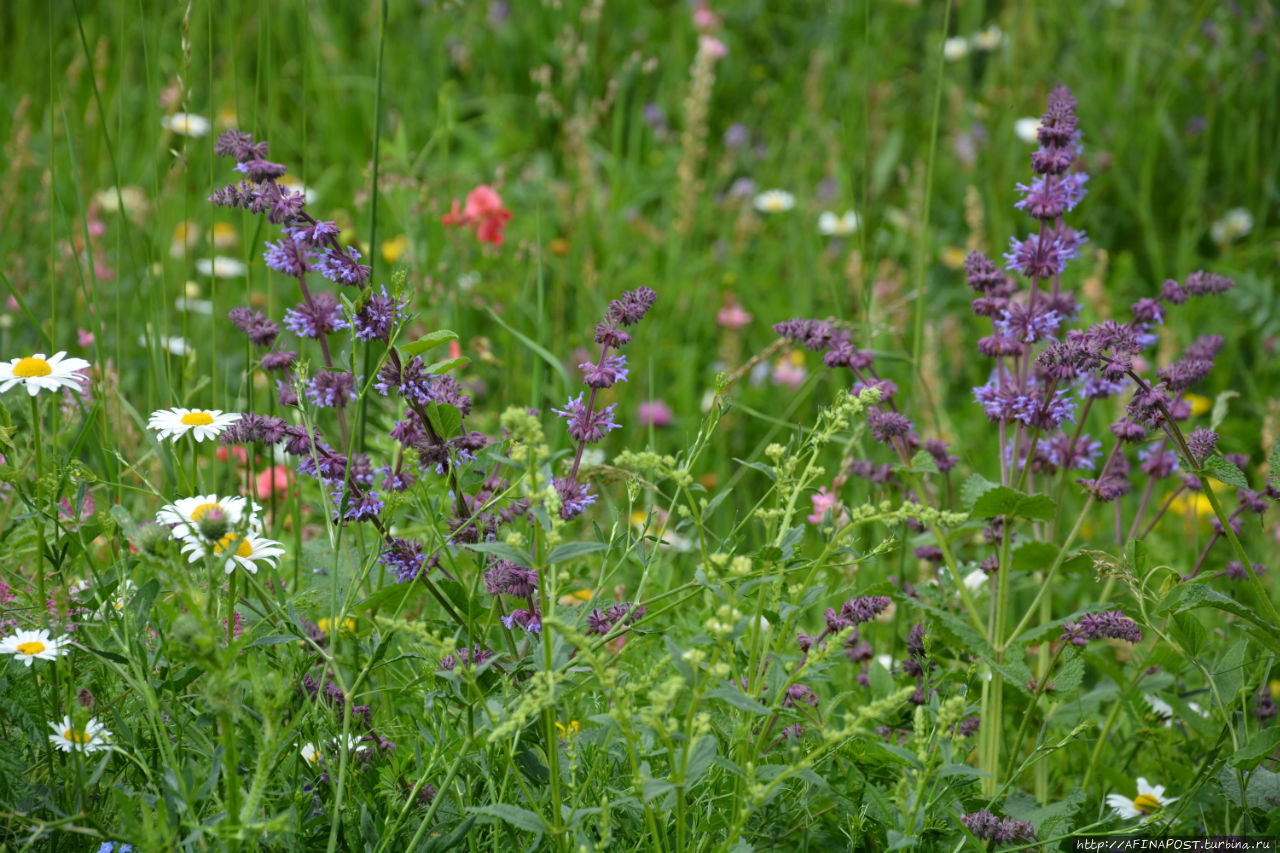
x=483, y=211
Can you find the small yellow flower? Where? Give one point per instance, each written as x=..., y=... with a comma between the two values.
x=1274, y=687
x=566, y=731
x=1188, y=504
x=394, y=249
x=558, y=246
x=347, y=626
x=578, y=596
x=1199, y=404
x=953, y=257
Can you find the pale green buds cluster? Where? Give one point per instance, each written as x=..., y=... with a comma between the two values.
x=949, y=715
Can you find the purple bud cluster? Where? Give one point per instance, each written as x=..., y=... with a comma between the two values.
x=1111, y=624
x=987, y=827
x=624, y=613
x=588, y=424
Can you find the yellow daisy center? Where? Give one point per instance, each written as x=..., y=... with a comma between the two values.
x=1146, y=803
x=27, y=368
x=33, y=647
x=197, y=419
x=244, y=549
x=77, y=737
x=203, y=510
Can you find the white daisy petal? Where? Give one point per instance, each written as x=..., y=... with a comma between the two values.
x=184, y=515
x=30, y=646
x=39, y=372
x=201, y=423
x=91, y=737
x=244, y=549
x=186, y=124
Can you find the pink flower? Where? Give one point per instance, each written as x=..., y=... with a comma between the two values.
x=787, y=372
x=713, y=46
x=732, y=315
x=273, y=480
x=84, y=338
x=483, y=211
x=653, y=413
x=824, y=501
x=704, y=19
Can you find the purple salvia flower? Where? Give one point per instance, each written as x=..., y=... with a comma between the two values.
x=272, y=361
x=575, y=497
x=886, y=426
x=587, y=426
x=331, y=389
x=799, y=694
x=1112, y=624
x=260, y=328
x=1028, y=323
x=343, y=267
x=606, y=373
x=1201, y=443
x=508, y=578
x=289, y=256
x=322, y=315
x=1036, y=257
x=864, y=608
x=259, y=170
x=404, y=557
x=378, y=317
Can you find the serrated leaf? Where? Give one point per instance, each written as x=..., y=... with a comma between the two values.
x=974, y=487
x=1220, y=469
x=1002, y=500
x=514, y=815
x=1219, y=413
x=428, y=342
x=569, y=550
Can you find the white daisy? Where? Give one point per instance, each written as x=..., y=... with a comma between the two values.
x=38, y=373
x=172, y=345
x=1164, y=710
x=954, y=49
x=774, y=201
x=1233, y=225
x=975, y=580
x=838, y=226
x=173, y=424
x=1025, y=129
x=186, y=124
x=184, y=516
x=221, y=267
x=988, y=39
x=28, y=646
x=1150, y=800
x=245, y=549
x=91, y=737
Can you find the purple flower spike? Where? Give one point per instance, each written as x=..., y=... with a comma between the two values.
x=587, y=426
x=1112, y=624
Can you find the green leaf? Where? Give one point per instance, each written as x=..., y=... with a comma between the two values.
x=739, y=700
x=1189, y=633
x=1002, y=500
x=1227, y=472
x=447, y=364
x=428, y=342
x=569, y=550
x=1219, y=413
x=1228, y=676
x=700, y=758
x=1273, y=464
x=974, y=487
x=514, y=815
x=537, y=348
x=447, y=842
x=502, y=551
x=445, y=419
x=1251, y=754
x=921, y=463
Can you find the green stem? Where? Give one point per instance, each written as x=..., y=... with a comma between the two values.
x=39, y=439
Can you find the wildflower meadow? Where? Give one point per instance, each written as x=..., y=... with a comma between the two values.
x=666, y=426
